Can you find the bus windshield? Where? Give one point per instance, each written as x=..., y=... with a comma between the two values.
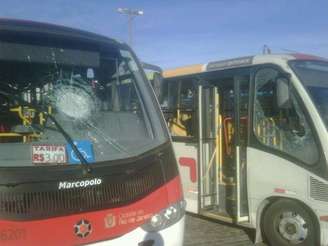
x=314, y=76
x=92, y=91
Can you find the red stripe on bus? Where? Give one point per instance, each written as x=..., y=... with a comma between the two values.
x=191, y=163
x=324, y=218
x=300, y=56
x=279, y=190
x=105, y=224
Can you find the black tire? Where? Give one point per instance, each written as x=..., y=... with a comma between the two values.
x=272, y=218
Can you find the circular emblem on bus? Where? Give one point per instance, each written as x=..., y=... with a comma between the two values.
x=82, y=228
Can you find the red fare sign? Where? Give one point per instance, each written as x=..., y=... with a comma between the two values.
x=46, y=153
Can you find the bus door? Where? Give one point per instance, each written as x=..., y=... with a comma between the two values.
x=208, y=150
x=241, y=122
x=223, y=126
x=178, y=105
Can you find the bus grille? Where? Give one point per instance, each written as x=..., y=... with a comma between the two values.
x=44, y=204
x=318, y=190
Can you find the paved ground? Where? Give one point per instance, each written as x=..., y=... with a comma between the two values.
x=201, y=232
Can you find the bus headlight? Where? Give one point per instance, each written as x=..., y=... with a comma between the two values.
x=166, y=217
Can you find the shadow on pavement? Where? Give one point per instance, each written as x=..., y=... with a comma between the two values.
x=201, y=230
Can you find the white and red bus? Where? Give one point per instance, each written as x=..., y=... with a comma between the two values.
x=85, y=156
x=250, y=136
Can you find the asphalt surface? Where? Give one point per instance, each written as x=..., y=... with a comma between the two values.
x=200, y=232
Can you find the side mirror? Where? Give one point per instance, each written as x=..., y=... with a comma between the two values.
x=283, y=93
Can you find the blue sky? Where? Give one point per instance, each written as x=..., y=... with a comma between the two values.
x=179, y=32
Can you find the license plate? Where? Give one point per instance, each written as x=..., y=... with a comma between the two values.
x=49, y=153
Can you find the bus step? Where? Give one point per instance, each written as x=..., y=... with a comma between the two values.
x=228, y=184
x=207, y=195
x=231, y=198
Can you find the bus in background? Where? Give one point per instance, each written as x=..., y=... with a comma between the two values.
x=250, y=136
x=154, y=75
x=85, y=156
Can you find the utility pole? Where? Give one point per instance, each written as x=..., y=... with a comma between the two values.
x=131, y=13
x=266, y=50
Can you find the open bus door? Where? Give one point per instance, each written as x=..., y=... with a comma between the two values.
x=209, y=147
x=222, y=197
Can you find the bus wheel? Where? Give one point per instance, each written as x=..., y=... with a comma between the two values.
x=286, y=222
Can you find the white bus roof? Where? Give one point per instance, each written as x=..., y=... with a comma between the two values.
x=236, y=62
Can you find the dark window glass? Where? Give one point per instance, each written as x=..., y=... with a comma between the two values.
x=178, y=108
x=314, y=76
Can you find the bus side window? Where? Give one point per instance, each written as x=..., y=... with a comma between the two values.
x=284, y=129
x=186, y=106
x=178, y=108
x=163, y=95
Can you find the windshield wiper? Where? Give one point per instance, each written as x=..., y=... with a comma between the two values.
x=112, y=142
x=86, y=167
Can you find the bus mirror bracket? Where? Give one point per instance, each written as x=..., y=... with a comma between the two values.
x=283, y=92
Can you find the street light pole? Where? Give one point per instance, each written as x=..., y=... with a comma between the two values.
x=131, y=15
x=130, y=18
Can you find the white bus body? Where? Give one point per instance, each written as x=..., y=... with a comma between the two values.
x=278, y=168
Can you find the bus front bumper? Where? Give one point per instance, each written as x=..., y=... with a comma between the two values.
x=171, y=236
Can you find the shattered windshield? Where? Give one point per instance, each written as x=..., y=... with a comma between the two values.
x=91, y=91
x=314, y=76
